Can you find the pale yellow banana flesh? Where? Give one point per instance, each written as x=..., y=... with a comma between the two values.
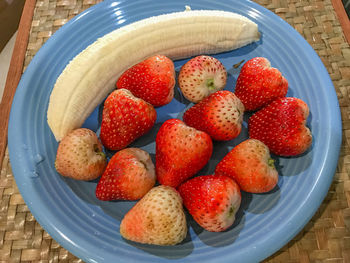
x=92, y=74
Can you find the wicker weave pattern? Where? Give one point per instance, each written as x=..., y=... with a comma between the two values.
x=326, y=238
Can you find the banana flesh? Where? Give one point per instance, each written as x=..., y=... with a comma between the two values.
x=91, y=75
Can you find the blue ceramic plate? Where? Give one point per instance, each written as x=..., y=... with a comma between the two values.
x=89, y=228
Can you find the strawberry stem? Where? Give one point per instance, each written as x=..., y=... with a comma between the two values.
x=96, y=149
x=210, y=84
x=271, y=162
x=238, y=64
x=101, y=154
x=98, y=152
x=144, y=164
x=231, y=212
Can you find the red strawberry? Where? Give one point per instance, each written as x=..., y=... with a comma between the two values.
x=158, y=218
x=281, y=126
x=181, y=151
x=258, y=84
x=200, y=77
x=212, y=200
x=129, y=175
x=79, y=155
x=251, y=166
x=124, y=119
x=220, y=115
x=152, y=80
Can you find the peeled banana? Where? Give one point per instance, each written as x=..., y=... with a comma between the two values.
x=91, y=75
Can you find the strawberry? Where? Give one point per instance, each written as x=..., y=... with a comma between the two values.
x=80, y=156
x=152, y=80
x=251, y=166
x=200, y=77
x=212, y=200
x=124, y=119
x=220, y=115
x=129, y=175
x=158, y=218
x=281, y=126
x=258, y=84
x=181, y=151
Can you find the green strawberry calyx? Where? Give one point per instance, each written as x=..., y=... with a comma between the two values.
x=271, y=162
x=231, y=211
x=210, y=84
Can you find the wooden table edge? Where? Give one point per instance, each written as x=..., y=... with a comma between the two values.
x=343, y=18
x=15, y=71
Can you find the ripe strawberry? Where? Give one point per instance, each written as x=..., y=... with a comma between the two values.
x=80, y=156
x=181, y=151
x=152, y=80
x=251, y=166
x=124, y=119
x=212, y=200
x=220, y=115
x=258, y=84
x=129, y=175
x=158, y=218
x=281, y=126
x=200, y=77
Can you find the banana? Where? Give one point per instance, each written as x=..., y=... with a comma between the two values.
x=91, y=75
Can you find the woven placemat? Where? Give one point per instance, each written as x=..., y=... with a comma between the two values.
x=326, y=238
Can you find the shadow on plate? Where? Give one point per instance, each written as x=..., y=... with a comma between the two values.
x=261, y=203
x=303, y=162
x=148, y=139
x=231, y=78
x=222, y=148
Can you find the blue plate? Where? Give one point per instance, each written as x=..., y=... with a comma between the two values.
x=89, y=228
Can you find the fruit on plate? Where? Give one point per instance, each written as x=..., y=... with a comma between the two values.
x=258, y=84
x=124, y=119
x=152, y=80
x=251, y=166
x=212, y=200
x=281, y=125
x=181, y=151
x=201, y=76
x=91, y=75
x=129, y=175
x=158, y=218
x=220, y=115
x=80, y=156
